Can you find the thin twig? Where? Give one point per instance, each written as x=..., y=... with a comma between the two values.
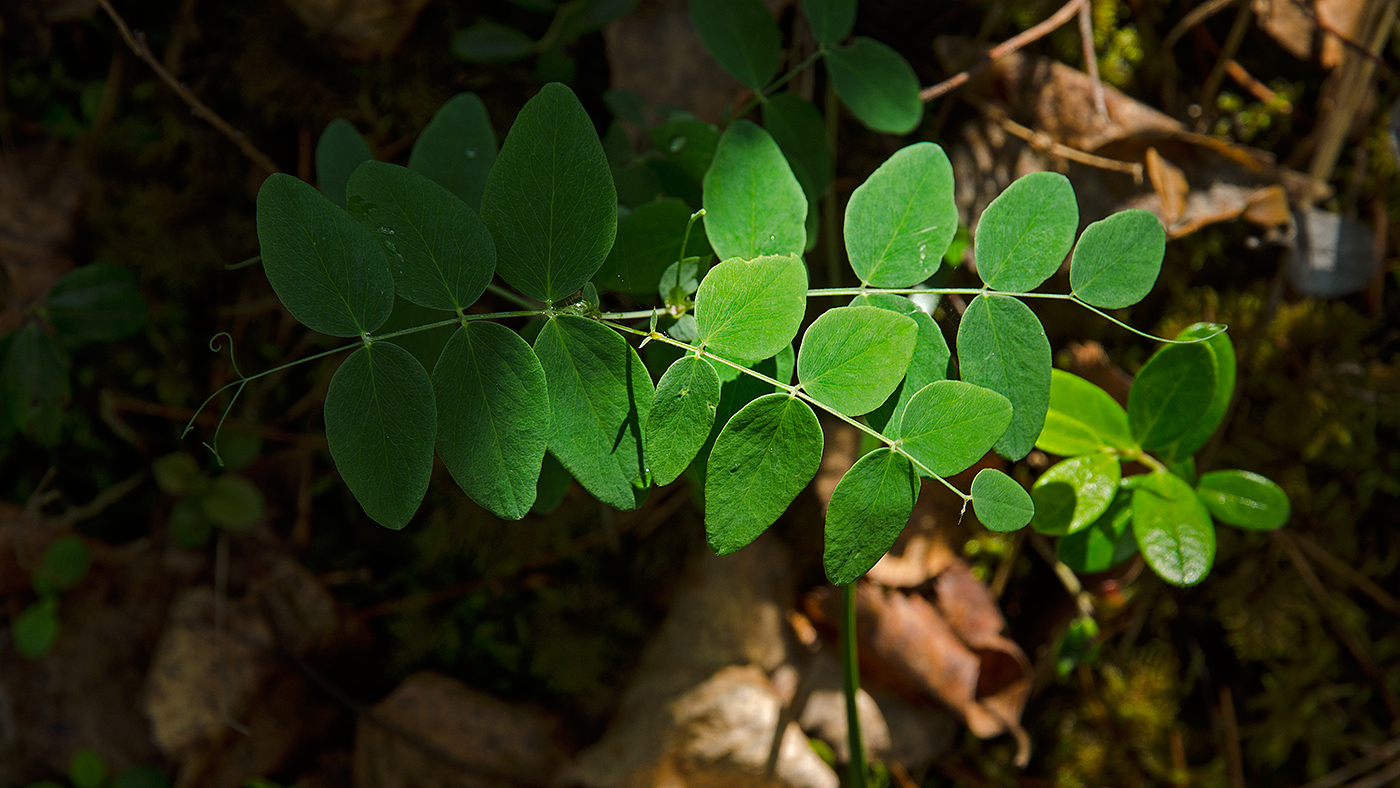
x=1336, y=565
x=137, y=42
x=1234, y=759
x=1377, y=756
x=1194, y=17
x=1042, y=141
x=1233, y=40
x=1091, y=59
x=1056, y=20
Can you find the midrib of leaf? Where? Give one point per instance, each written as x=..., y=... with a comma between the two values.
x=1020, y=238
x=1162, y=403
x=592, y=410
x=325, y=271
x=908, y=207
x=495, y=431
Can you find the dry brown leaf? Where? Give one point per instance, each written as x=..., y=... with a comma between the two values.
x=363, y=29
x=1170, y=184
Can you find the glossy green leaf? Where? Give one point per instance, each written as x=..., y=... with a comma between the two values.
x=761, y=460
x=878, y=84
x=1072, y=494
x=457, y=148
x=681, y=417
x=868, y=509
x=1223, y=352
x=1244, y=499
x=86, y=769
x=35, y=380
x=648, y=242
x=327, y=268
x=552, y=487
x=901, y=220
x=1171, y=393
x=233, y=502
x=488, y=42
x=1107, y=542
x=1082, y=418
x=949, y=425
x=1117, y=259
x=65, y=562
x=338, y=152
x=95, y=303
x=1000, y=503
x=381, y=422
x=492, y=416
x=440, y=253
x=600, y=396
x=853, y=357
x=831, y=22
x=1002, y=346
x=751, y=309
x=36, y=628
x=549, y=201
x=1025, y=233
x=929, y=362
x=754, y=205
x=1172, y=528
x=742, y=36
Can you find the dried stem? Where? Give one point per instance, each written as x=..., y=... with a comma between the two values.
x=1056, y=20
x=1091, y=59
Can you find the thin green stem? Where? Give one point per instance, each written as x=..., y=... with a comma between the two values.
x=768, y=90
x=254, y=260
x=850, y=675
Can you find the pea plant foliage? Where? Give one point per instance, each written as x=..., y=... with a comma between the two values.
x=510, y=401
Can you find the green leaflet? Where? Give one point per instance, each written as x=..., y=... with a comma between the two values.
x=929, y=362
x=1082, y=418
x=742, y=36
x=36, y=387
x=1025, y=233
x=902, y=219
x=331, y=274
x=1117, y=259
x=1224, y=354
x=600, y=396
x=754, y=205
x=549, y=200
x=1172, y=528
x=36, y=628
x=949, y=425
x=736, y=391
x=488, y=42
x=457, y=148
x=338, y=152
x=233, y=502
x=492, y=416
x=831, y=21
x=1244, y=499
x=1002, y=346
x=682, y=416
x=868, y=509
x=853, y=357
x=1072, y=494
x=440, y=253
x=95, y=303
x=1104, y=544
x=761, y=460
x=1171, y=393
x=381, y=422
x=751, y=308
x=649, y=241
x=800, y=132
x=999, y=502
x=552, y=486
x=878, y=84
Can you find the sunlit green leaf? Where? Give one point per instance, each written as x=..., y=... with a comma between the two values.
x=338, y=152
x=949, y=425
x=648, y=242
x=751, y=309
x=549, y=201
x=831, y=21
x=1172, y=528
x=1003, y=347
x=36, y=628
x=1244, y=499
x=488, y=42
x=742, y=36
x=929, y=362
x=1082, y=418
x=1000, y=503
x=761, y=460
x=1105, y=543
x=1074, y=493
x=381, y=422
x=754, y=205
x=1117, y=259
x=681, y=416
x=878, y=84
x=853, y=357
x=1171, y=392
x=95, y=303
x=868, y=509
x=1223, y=353
x=35, y=381
x=901, y=220
x=457, y=148
x=1025, y=233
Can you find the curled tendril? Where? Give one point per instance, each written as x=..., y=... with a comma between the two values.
x=1110, y=318
x=215, y=346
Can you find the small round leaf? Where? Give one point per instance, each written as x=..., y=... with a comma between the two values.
x=1074, y=493
x=1171, y=393
x=1025, y=233
x=868, y=509
x=999, y=502
x=853, y=357
x=1117, y=259
x=1244, y=499
x=1172, y=528
x=878, y=84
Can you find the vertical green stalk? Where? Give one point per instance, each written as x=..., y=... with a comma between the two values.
x=829, y=213
x=852, y=683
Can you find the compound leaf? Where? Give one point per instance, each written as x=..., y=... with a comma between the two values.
x=682, y=416
x=751, y=309
x=742, y=36
x=600, y=395
x=1082, y=418
x=999, y=502
x=1171, y=392
x=949, y=425
x=440, y=253
x=754, y=205
x=878, y=84
x=95, y=303
x=381, y=422
x=761, y=460
x=868, y=509
x=549, y=200
x=1104, y=544
x=327, y=268
x=1244, y=499
x=338, y=152
x=1224, y=354
x=1025, y=233
x=1072, y=494
x=853, y=357
x=1002, y=346
x=1172, y=528
x=648, y=242
x=457, y=148
x=493, y=416
x=831, y=21
x=902, y=219
x=1117, y=259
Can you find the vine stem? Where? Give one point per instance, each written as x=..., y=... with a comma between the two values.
x=762, y=95
x=850, y=674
